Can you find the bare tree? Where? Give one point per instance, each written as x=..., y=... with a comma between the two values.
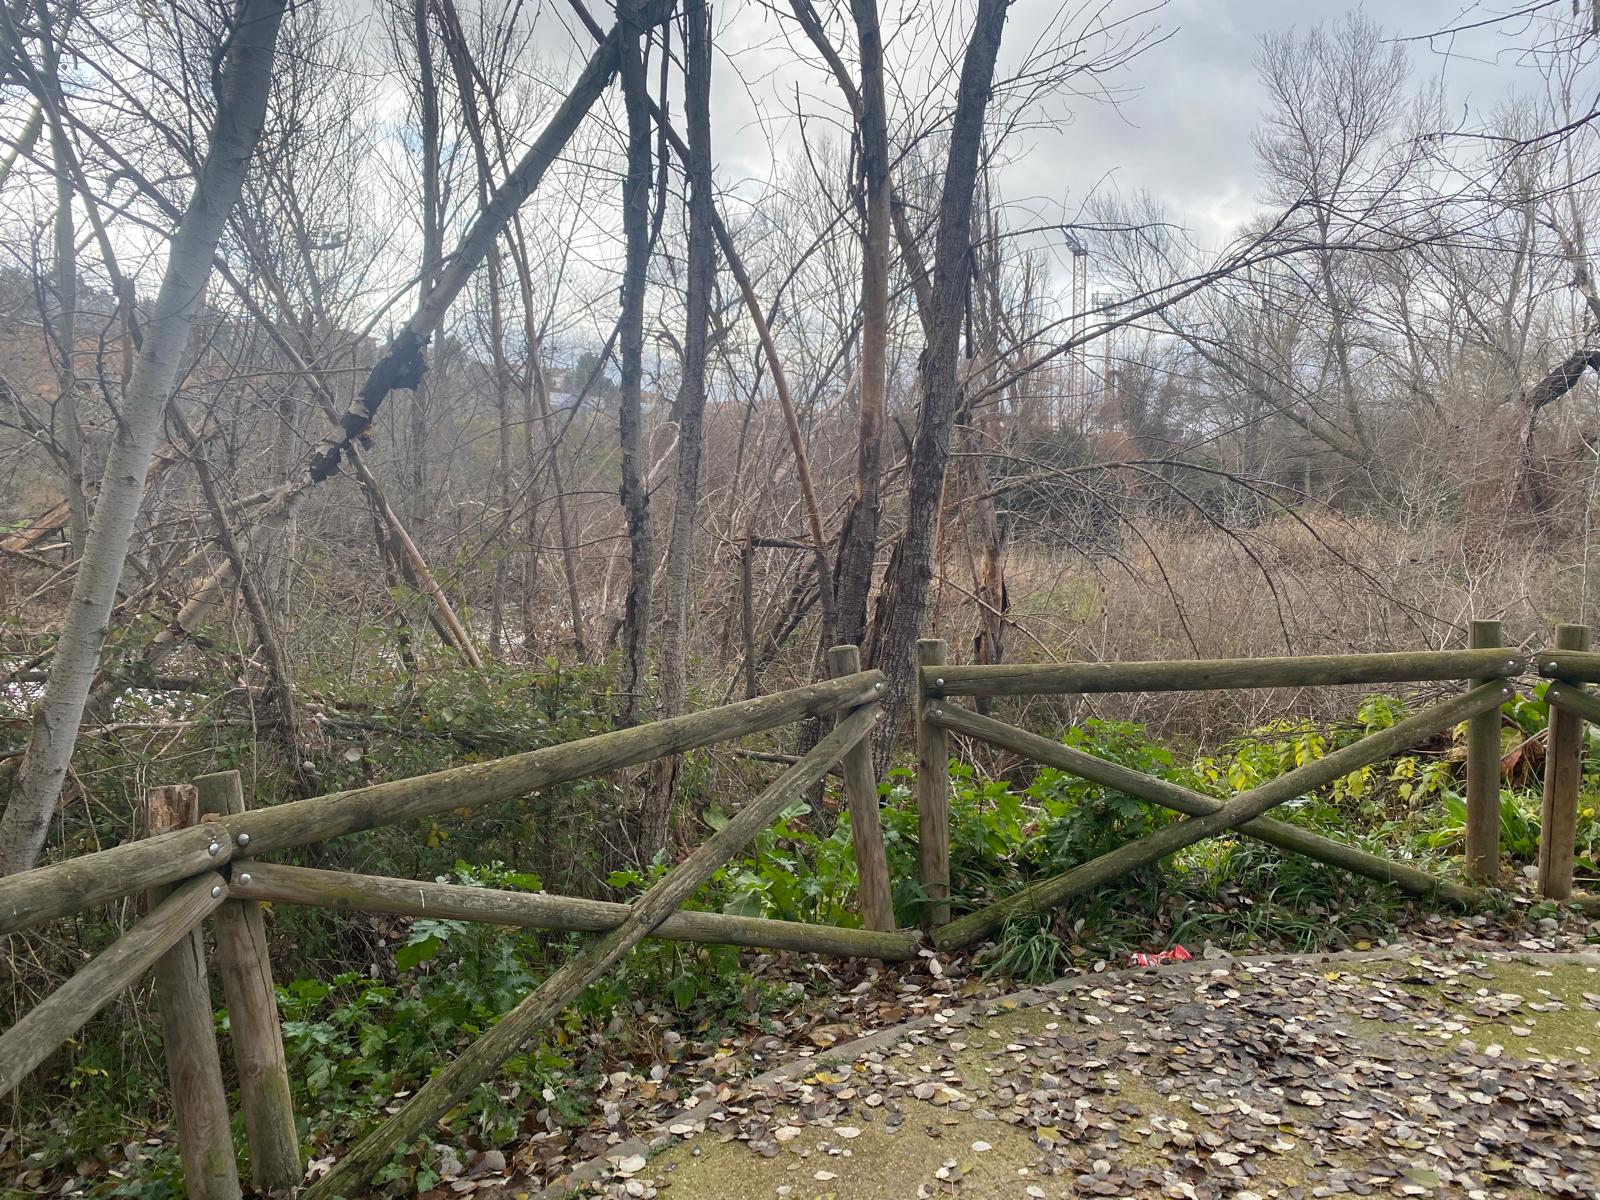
x=899, y=618
x=241, y=107
x=689, y=411
x=633, y=489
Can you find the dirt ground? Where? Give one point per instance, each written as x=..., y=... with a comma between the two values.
x=1422, y=1075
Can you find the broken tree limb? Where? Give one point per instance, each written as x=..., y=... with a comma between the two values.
x=480, y=1060
x=452, y=627
x=1195, y=804
x=349, y=892
x=1246, y=806
x=401, y=365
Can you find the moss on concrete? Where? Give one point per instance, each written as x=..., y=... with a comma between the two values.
x=880, y=1163
x=1533, y=1010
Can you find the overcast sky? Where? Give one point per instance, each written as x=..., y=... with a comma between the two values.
x=1181, y=128
x=1185, y=133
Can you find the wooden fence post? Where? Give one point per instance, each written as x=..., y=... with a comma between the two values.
x=866, y=823
x=933, y=795
x=1563, y=773
x=189, y=1039
x=253, y=1015
x=1483, y=776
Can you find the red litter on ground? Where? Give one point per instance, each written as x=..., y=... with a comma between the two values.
x=1161, y=957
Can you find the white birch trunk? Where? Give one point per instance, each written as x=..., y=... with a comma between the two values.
x=241, y=110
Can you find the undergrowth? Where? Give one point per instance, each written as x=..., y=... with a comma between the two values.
x=380, y=1002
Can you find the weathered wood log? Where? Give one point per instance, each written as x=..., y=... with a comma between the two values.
x=1563, y=776
x=347, y=892
x=1245, y=806
x=1215, y=674
x=480, y=1060
x=120, y=965
x=253, y=1023
x=61, y=888
x=1282, y=834
x=1483, y=777
x=1571, y=665
x=866, y=821
x=34, y=896
x=1574, y=699
x=188, y=1036
x=933, y=788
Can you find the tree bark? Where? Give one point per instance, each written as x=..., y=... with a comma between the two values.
x=633, y=490
x=858, y=540
x=655, y=819
x=241, y=111
x=904, y=600
x=417, y=507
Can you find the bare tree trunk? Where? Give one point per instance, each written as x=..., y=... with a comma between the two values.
x=985, y=544
x=633, y=491
x=655, y=820
x=980, y=429
x=24, y=143
x=569, y=560
x=904, y=601
x=241, y=110
x=502, y=408
x=279, y=679
x=417, y=506
x=64, y=330
x=858, y=541
x=65, y=439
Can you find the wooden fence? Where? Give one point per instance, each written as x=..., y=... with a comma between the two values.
x=198, y=859
x=1485, y=665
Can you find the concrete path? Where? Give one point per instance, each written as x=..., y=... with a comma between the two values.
x=1409, y=1075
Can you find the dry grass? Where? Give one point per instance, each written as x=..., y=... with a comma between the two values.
x=1297, y=585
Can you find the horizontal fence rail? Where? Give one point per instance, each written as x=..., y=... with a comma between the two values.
x=54, y=891
x=199, y=863
x=1579, y=666
x=543, y=910
x=1310, y=670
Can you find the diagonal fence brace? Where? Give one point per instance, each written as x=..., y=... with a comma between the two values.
x=481, y=1059
x=1282, y=834
x=1244, y=807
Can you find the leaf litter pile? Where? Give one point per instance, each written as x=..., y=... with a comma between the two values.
x=1432, y=1075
